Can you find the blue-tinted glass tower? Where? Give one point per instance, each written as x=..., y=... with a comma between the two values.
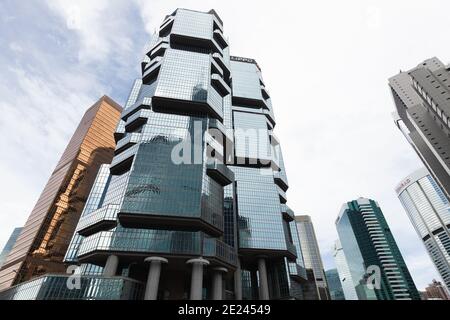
x=193, y=204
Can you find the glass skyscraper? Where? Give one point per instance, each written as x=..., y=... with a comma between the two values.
x=311, y=254
x=44, y=240
x=422, y=99
x=429, y=212
x=374, y=261
x=193, y=204
x=9, y=245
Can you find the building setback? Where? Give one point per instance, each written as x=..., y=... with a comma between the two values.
x=193, y=204
x=422, y=100
x=311, y=254
x=43, y=242
x=375, y=263
x=428, y=209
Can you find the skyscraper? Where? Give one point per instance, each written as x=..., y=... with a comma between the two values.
x=375, y=263
x=311, y=254
x=345, y=276
x=429, y=212
x=41, y=246
x=422, y=100
x=435, y=291
x=9, y=245
x=334, y=285
x=193, y=204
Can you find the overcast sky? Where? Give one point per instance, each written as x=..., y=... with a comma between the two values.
x=325, y=64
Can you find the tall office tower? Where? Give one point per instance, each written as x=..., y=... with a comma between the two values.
x=168, y=219
x=435, y=291
x=345, y=276
x=429, y=212
x=422, y=100
x=334, y=285
x=376, y=265
x=311, y=254
x=41, y=246
x=9, y=245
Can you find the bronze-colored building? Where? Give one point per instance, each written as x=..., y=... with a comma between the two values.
x=46, y=235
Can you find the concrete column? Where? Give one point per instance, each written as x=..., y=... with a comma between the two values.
x=263, y=283
x=217, y=283
x=197, y=277
x=111, y=265
x=238, y=282
x=151, y=289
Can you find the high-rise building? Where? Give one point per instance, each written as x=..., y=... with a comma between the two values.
x=43, y=242
x=435, y=291
x=376, y=265
x=311, y=254
x=422, y=100
x=334, y=285
x=193, y=204
x=9, y=244
x=345, y=276
x=429, y=212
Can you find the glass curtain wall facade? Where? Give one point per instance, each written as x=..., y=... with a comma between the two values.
x=422, y=100
x=193, y=204
x=334, y=285
x=311, y=254
x=429, y=212
x=375, y=263
x=44, y=240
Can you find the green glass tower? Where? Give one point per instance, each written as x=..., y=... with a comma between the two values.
x=376, y=265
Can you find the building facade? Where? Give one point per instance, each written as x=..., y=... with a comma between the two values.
x=193, y=204
x=435, y=291
x=422, y=100
x=375, y=263
x=345, y=277
x=334, y=285
x=311, y=254
x=44, y=240
x=9, y=245
x=429, y=212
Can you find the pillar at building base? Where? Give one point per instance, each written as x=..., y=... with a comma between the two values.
x=154, y=273
x=238, y=282
x=111, y=265
x=263, y=283
x=217, y=283
x=197, y=277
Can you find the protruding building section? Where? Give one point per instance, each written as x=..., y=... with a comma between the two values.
x=374, y=261
x=311, y=255
x=429, y=212
x=422, y=99
x=44, y=240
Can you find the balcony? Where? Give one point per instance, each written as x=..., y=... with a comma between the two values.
x=220, y=173
x=218, y=36
x=159, y=49
x=101, y=219
x=129, y=140
x=166, y=26
x=280, y=180
x=288, y=214
x=219, y=60
x=152, y=70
